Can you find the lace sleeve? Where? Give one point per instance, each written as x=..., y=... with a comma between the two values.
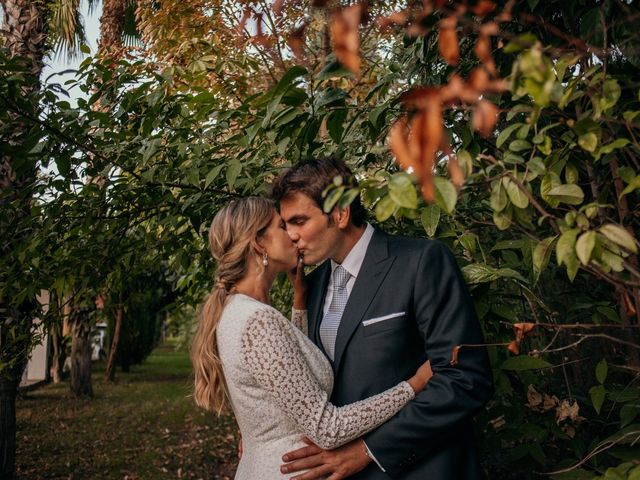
x=273, y=355
x=299, y=319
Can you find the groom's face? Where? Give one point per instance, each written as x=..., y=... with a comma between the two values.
x=315, y=233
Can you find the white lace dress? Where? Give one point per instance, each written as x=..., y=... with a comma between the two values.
x=280, y=383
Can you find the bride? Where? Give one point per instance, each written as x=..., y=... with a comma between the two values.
x=277, y=381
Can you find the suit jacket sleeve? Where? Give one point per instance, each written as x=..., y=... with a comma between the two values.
x=446, y=317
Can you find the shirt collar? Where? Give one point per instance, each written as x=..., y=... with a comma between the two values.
x=353, y=260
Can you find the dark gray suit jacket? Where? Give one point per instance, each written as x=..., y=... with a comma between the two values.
x=431, y=437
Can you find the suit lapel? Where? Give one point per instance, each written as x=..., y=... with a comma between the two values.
x=374, y=269
x=315, y=302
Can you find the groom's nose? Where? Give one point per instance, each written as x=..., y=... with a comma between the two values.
x=293, y=235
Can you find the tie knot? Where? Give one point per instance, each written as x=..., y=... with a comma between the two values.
x=340, y=277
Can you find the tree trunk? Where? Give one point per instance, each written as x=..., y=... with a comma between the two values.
x=112, y=25
x=8, y=390
x=80, y=353
x=24, y=32
x=111, y=363
x=58, y=353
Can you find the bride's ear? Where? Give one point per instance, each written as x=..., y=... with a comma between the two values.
x=257, y=248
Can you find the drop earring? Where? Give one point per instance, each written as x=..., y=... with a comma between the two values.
x=265, y=259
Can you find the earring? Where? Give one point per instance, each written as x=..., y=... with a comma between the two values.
x=265, y=259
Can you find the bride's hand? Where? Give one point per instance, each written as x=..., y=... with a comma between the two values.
x=421, y=377
x=299, y=283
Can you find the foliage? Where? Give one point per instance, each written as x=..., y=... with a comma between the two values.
x=545, y=226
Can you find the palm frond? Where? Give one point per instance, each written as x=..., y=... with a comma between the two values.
x=66, y=27
x=130, y=34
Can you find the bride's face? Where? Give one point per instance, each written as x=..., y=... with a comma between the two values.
x=282, y=252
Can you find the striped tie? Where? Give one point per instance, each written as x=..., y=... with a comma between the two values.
x=331, y=321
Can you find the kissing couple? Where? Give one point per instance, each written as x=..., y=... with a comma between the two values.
x=359, y=383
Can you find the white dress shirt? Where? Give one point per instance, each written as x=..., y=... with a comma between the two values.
x=352, y=263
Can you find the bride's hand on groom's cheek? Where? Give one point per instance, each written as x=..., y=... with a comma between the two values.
x=299, y=283
x=335, y=464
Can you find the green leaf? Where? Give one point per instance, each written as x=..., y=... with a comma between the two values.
x=619, y=236
x=446, y=195
x=569, y=193
x=430, y=218
x=628, y=413
x=549, y=181
x=588, y=141
x=597, y=395
x=566, y=252
x=85, y=49
x=633, y=185
x=499, y=199
x=574, y=474
x=502, y=219
x=615, y=145
x=517, y=196
x=233, y=170
x=601, y=371
x=402, y=191
x=506, y=133
x=335, y=124
x=519, y=146
x=332, y=198
x=468, y=241
x=475, y=273
x=610, y=93
x=524, y=362
x=213, y=173
x=288, y=78
x=384, y=208
x=585, y=245
x=542, y=255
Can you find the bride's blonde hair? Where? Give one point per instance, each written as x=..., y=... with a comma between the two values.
x=231, y=237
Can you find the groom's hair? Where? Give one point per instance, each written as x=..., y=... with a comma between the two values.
x=311, y=177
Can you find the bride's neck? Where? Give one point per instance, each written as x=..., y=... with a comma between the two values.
x=256, y=285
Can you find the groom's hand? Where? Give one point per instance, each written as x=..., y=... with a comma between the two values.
x=339, y=463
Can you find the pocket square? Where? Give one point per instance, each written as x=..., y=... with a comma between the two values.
x=371, y=321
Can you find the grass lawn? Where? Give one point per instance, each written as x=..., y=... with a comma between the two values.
x=145, y=426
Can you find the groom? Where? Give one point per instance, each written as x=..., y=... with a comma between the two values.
x=379, y=305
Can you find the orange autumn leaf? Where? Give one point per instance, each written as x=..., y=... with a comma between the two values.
x=485, y=117
x=295, y=40
x=514, y=348
x=484, y=7
x=483, y=52
x=448, y=40
x=629, y=306
x=455, y=172
x=243, y=21
x=522, y=330
x=277, y=7
x=399, y=145
x=396, y=18
x=346, y=40
x=479, y=79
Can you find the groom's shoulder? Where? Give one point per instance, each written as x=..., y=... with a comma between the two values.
x=404, y=245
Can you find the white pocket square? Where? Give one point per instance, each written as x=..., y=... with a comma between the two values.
x=371, y=321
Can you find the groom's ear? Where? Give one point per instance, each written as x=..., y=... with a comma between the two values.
x=343, y=217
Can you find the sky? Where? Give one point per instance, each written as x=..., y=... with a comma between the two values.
x=59, y=63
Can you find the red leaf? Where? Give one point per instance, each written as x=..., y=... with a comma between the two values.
x=514, y=348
